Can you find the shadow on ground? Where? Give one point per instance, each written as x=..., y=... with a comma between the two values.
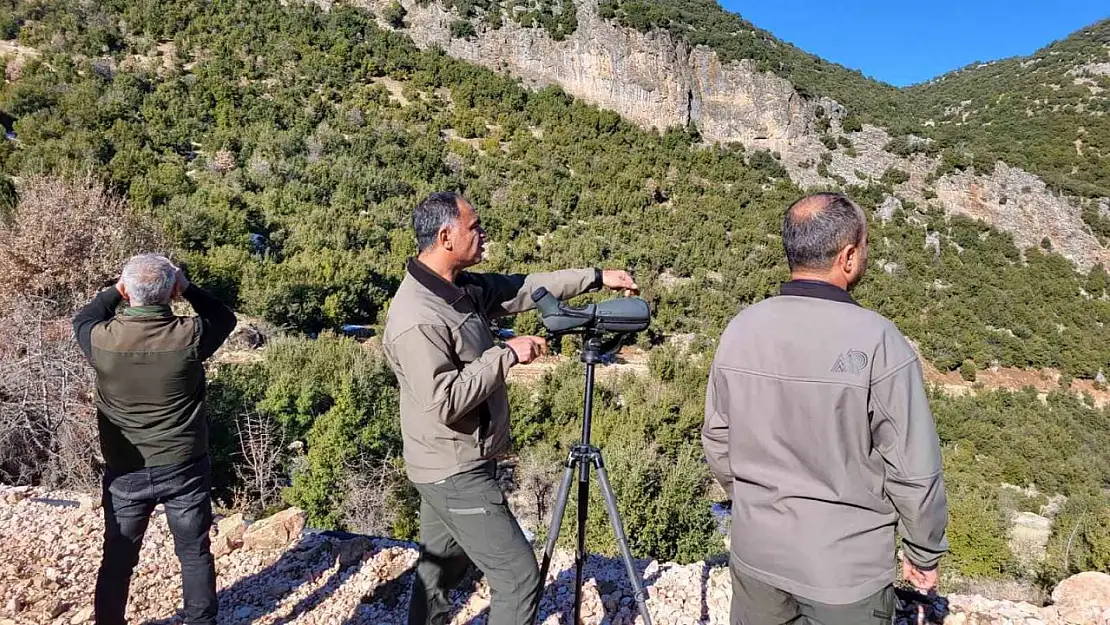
x=263, y=593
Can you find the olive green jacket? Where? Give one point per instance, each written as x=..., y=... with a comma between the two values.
x=150, y=376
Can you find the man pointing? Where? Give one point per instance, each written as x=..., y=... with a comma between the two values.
x=455, y=408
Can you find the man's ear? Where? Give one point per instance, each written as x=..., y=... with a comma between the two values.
x=851, y=258
x=123, y=292
x=444, y=237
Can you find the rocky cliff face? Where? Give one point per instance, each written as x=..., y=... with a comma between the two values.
x=657, y=82
x=650, y=79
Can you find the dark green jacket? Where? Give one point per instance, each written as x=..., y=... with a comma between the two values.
x=150, y=376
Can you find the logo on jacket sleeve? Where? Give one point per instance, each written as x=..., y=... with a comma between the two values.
x=852, y=361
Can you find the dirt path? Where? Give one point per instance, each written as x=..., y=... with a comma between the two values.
x=18, y=56
x=1010, y=379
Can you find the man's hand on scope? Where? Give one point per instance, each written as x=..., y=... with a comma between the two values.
x=618, y=279
x=527, y=348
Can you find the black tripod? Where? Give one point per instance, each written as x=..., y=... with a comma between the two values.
x=583, y=455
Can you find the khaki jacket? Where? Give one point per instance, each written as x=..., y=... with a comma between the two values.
x=817, y=423
x=451, y=371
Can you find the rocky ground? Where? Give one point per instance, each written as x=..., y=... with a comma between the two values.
x=274, y=572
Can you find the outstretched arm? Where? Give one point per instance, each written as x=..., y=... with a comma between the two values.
x=511, y=294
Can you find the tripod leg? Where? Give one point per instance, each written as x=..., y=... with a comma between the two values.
x=580, y=555
x=556, y=520
x=622, y=539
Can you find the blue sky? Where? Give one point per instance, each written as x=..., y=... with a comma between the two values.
x=905, y=41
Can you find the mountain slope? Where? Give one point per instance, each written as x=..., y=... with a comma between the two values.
x=289, y=188
x=658, y=80
x=1048, y=113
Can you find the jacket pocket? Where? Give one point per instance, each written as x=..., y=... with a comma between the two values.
x=469, y=511
x=478, y=505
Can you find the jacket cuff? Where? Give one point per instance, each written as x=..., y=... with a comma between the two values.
x=923, y=560
x=513, y=360
x=597, y=282
x=111, y=297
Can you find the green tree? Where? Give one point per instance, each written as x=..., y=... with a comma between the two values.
x=394, y=15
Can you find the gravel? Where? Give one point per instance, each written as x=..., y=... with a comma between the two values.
x=51, y=545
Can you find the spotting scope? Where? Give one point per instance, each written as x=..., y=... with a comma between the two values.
x=621, y=315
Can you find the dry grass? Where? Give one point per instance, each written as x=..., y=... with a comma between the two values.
x=68, y=239
x=47, y=424
x=998, y=589
x=372, y=489
x=65, y=240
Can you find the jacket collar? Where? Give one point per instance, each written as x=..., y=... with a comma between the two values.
x=158, y=310
x=817, y=289
x=453, y=294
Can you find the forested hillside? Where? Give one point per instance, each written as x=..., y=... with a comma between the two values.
x=281, y=147
x=288, y=186
x=1046, y=113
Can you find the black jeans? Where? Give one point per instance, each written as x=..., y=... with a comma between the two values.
x=129, y=499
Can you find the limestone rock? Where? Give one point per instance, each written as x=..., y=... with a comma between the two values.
x=333, y=578
x=84, y=615
x=887, y=208
x=352, y=550
x=659, y=81
x=275, y=532
x=1029, y=534
x=1083, y=598
x=229, y=535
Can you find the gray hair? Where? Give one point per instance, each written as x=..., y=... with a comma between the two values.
x=149, y=279
x=818, y=226
x=431, y=215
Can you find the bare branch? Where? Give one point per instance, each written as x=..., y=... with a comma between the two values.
x=261, y=443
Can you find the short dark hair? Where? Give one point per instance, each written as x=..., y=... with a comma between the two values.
x=431, y=214
x=817, y=227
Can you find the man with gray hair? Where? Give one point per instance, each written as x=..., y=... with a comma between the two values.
x=818, y=428
x=455, y=407
x=153, y=427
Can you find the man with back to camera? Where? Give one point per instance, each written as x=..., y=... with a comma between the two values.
x=153, y=427
x=817, y=425
x=455, y=407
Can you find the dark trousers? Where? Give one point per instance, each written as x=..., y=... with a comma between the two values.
x=464, y=519
x=129, y=500
x=757, y=603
